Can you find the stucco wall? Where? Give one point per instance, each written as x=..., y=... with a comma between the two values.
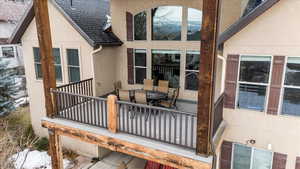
x=63, y=36
x=118, y=12
x=105, y=70
x=276, y=32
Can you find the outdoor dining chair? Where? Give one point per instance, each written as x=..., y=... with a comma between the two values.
x=171, y=103
x=140, y=97
x=163, y=86
x=148, y=84
x=124, y=95
x=117, y=87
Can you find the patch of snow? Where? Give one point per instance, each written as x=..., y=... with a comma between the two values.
x=35, y=160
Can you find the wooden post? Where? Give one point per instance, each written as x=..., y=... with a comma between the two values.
x=55, y=150
x=112, y=113
x=47, y=59
x=209, y=35
x=48, y=72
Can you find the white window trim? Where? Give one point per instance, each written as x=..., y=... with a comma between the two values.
x=184, y=25
x=68, y=66
x=189, y=70
x=134, y=67
x=253, y=83
x=14, y=50
x=61, y=65
x=252, y=152
x=286, y=86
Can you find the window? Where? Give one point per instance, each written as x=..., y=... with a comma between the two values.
x=166, y=23
x=37, y=63
x=251, y=158
x=140, y=66
x=253, y=82
x=194, y=24
x=192, y=70
x=166, y=66
x=291, y=94
x=8, y=51
x=73, y=65
x=140, y=26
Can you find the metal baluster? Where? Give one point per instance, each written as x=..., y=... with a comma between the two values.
x=170, y=126
x=186, y=129
x=180, y=129
x=150, y=121
x=192, y=135
x=159, y=125
x=145, y=122
x=165, y=126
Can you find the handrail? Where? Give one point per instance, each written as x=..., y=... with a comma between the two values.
x=154, y=107
x=80, y=95
x=73, y=83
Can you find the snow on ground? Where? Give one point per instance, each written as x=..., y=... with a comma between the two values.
x=35, y=160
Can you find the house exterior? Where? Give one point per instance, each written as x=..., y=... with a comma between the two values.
x=10, y=13
x=250, y=69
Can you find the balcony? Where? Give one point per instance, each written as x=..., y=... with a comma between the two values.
x=171, y=130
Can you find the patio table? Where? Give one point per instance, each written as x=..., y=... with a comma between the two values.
x=152, y=96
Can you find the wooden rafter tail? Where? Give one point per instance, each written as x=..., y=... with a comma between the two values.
x=209, y=34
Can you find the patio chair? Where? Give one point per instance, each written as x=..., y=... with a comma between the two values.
x=148, y=84
x=140, y=97
x=124, y=95
x=117, y=87
x=163, y=86
x=171, y=103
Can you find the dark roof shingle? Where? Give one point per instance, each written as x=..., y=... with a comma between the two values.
x=88, y=17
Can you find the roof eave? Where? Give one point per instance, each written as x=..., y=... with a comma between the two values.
x=246, y=20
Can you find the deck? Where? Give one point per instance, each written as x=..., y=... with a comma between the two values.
x=165, y=130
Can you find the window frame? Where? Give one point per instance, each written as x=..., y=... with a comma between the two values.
x=283, y=87
x=267, y=85
x=141, y=67
x=188, y=70
x=72, y=66
x=183, y=25
x=252, y=150
x=8, y=46
x=61, y=65
x=133, y=27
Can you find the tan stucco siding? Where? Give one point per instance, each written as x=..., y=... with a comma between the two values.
x=63, y=36
x=105, y=70
x=276, y=32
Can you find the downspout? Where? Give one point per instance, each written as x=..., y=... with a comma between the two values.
x=93, y=67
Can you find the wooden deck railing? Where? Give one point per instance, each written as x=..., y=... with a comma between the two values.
x=218, y=113
x=75, y=102
x=161, y=124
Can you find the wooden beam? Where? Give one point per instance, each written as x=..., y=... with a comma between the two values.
x=209, y=35
x=55, y=150
x=133, y=149
x=112, y=113
x=47, y=59
x=48, y=73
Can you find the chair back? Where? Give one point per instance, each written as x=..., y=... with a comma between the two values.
x=175, y=97
x=163, y=86
x=117, y=87
x=124, y=95
x=148, y=84
x=140, y=97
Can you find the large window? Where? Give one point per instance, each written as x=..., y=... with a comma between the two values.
x=37, y=63
x=166, y=66
x=166, y=23
x=8, y=52
x=291, y=96
x=140, y=65
x=192, y=70
x=73, y=65
x=245, y=157
x=140, y=26
x=194, y=24
x=253, y=82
